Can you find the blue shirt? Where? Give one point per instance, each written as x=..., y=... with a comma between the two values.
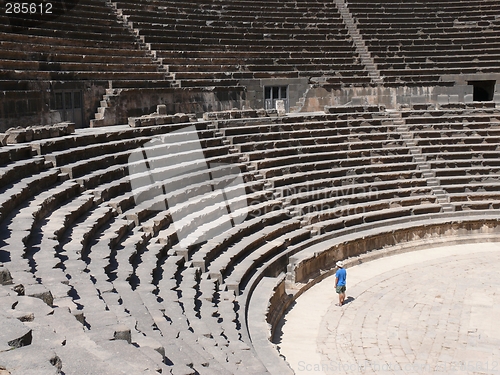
x=341, y=275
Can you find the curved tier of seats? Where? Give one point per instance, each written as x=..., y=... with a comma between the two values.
x=220, y=43
x=79, y=46
x=416, y=43
x=85, y=42
x=150, y=245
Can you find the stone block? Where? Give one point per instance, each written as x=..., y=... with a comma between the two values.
x=358, y=101
x=33, y=305
x=5, y=276
x=122, y=332
x=223, y=115
x=70, y=127
x=280, y=107
x=272, y=112
x=31, y=360
x=468, y=98
x=261, y=113
x=235, y=114
x=14, y=334
x=162, y=120
x=443, y=99
x=134, y=122
x=182, y=117
x=44, y=133
x=15, y=136
x=209, y=116
x=39, y=291
x=418, y=99
x=147, y=121
x=161, y=109
x=54, y=132
x=29, y=135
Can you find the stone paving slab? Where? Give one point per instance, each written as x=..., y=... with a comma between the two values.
x=433, y=311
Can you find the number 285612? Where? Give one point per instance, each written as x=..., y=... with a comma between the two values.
x=28, y=8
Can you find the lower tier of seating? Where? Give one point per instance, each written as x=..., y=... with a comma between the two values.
x=142, y=249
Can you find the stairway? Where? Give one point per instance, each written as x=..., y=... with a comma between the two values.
x=430, y=176
x=361, y=49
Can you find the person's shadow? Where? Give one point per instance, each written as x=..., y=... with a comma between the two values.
x=348, y=299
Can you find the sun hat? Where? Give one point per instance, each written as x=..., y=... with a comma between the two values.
x=340, y=264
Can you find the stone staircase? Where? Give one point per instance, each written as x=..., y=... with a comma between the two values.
x=416, y=152
x=105, y=115
x=123, y=20
x=105, y=112
x=361, y=49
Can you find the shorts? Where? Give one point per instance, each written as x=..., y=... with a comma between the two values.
x=340, y=289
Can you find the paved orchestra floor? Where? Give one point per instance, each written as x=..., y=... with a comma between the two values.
x=422, y=312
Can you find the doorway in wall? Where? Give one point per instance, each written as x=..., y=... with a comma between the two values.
x=69, y=105
x=483, y=91
x=273, y=93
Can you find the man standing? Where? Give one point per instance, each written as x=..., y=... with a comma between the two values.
x=340, y=277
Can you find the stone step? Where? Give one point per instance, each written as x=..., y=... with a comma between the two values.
x=448, y=208
x=432, y=182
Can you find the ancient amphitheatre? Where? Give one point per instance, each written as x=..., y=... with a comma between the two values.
x=175, y=176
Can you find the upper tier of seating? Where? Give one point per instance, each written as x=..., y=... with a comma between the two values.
x=219, y=43
x=83, y=43
x=416, y=43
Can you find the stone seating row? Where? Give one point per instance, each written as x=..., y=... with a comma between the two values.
x=406, y=11
x=255, y=33
x=12, y=52
x=466, y=121
x=95, y=33
x=486, y=135
x=75, y=66
x=353, y=219
x=343, y=127
x=17, y=45
x=96, y=137
x=52, y=39
x=79, y=75
x=478, y=140
x=209, y=56
x=235, y=15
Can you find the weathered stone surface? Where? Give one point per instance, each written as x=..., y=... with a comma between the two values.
x=39, y=291
x=5, y=276
x=280, y=107
x=233, y=114
x=19, y=289
x=21, y=135
x=33, y=305
x=134, y=122
x=13, y=333
x=31, y=360
x=122, y=332
x=161, y=109
x=159, y=119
